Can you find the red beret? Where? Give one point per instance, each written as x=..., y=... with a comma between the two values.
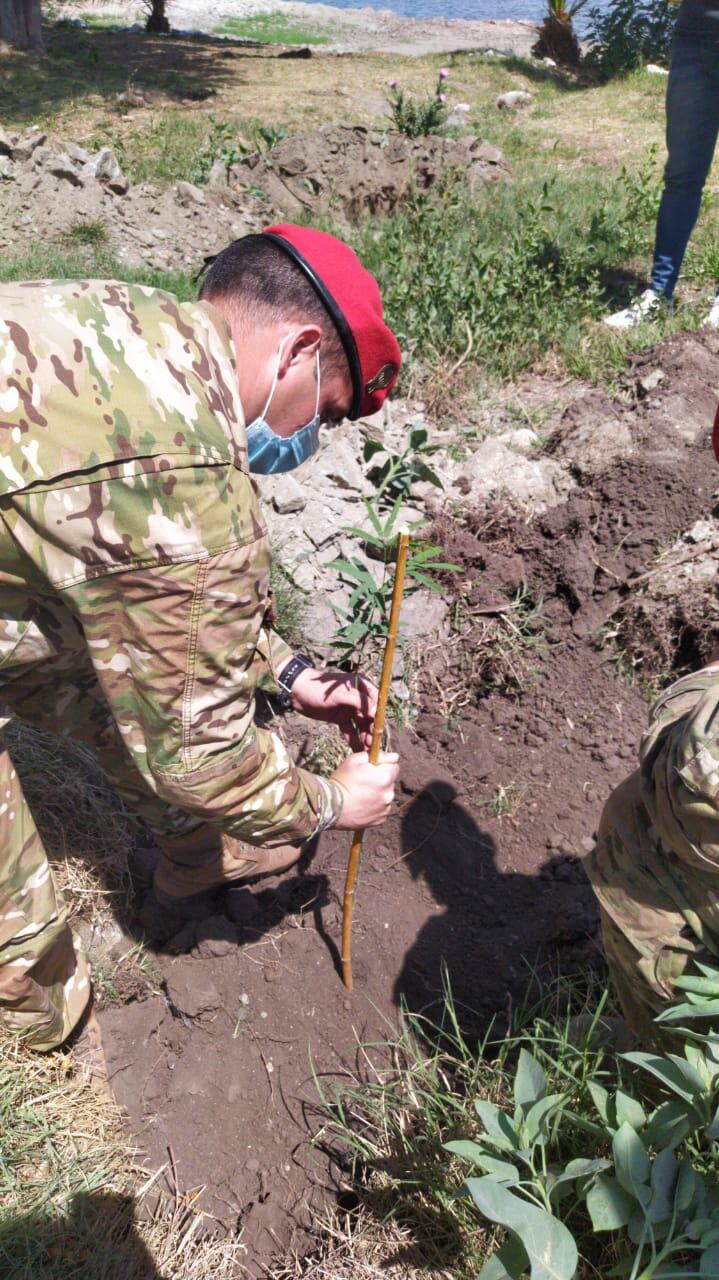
x=715, y=435
x=352, y=298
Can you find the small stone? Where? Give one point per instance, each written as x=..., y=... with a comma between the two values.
x=78, y=155
x=701, y=531
x=587, y=844
x=62, y=167
x=7, y=171
x=24, y=147
x=515, y=98
x=187, y=194
x=650, y=381
x=288, y=495
x=106, y=169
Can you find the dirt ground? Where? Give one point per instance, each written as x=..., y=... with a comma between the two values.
x=478, y=871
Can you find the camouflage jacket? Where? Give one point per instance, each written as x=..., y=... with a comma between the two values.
x=125, y=492
x=659, y=837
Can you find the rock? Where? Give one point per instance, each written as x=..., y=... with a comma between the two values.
x=654, y=70
x=650, y=381
x=7, y=171
x=336, y=465
x=496, y=472
x=131, y=98
x=702, y=531
x=187, y=194
x=29, y=142
x=523, y=440
x=458, y=116
x=6, y=143
x=61, y=166
x=424, y=615
x=106, y=169
x=218, y=177
x=515, y=98
x=287, y=495
x=78, y=155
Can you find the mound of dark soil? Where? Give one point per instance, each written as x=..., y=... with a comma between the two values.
x=352, y=170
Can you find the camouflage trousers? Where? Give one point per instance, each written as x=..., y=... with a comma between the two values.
x=648, y=940
x=47, y=681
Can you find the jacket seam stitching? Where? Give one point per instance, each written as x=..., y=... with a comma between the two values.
x=191, y=656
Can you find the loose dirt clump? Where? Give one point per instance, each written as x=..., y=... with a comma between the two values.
x=353, y=171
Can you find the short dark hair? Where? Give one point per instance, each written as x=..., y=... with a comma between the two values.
x=261, y=279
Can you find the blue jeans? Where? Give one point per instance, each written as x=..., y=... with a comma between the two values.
x=692, y=128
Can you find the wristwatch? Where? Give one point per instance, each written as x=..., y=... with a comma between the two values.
x=289, y=674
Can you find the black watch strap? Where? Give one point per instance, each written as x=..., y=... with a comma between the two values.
x=292, y=669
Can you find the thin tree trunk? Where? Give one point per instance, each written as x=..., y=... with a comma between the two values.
x=20, y=24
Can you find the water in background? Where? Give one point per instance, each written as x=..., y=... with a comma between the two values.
x=529, y=10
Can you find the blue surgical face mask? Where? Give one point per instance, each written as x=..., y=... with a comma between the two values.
x=269, y=453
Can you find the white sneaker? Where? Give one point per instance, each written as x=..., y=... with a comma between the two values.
x=644, y=306
x=712, y=320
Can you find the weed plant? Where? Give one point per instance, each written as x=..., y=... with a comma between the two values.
x=501, y=277
x=592, y=1163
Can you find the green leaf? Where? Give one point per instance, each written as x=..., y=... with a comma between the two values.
x=600, y=1098
x=421, y=471
x=550, y=1247
x=418, y=435
x=371, y=447
x=465, y=1148
x=669, y=1124
x=536, y=1121
x=530, y=1082
x=709, y=1009
x=709, y=1262
x=510, y=1262
x=629, y=1111
x=630, y=1159
x=582, y=1168
x=699, y=985
x=670, y=1074
x=664, y=1175
x=498, y=1125
x=689, y=1183
x=608, y=1204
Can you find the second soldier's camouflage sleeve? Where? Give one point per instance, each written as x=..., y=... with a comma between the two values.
x=274, y=653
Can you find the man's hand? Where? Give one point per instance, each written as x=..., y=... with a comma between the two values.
x=368, y=788
x=339, y=698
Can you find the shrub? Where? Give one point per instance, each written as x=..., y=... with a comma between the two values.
x=629, y=33
x=418, y=118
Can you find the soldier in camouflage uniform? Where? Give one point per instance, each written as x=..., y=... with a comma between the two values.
x=655, y=868
x=134, y=569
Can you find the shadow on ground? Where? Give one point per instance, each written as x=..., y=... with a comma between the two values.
x=96, y=1239
x=80, y=63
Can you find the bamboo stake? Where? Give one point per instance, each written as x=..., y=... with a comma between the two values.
x=377, y=731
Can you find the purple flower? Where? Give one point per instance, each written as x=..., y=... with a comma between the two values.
x=443, y=73
x=392, y=84
x=441, y=97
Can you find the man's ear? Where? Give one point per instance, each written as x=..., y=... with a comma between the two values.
x=303, y=345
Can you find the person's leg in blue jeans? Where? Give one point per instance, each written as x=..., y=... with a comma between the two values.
x=692, y=128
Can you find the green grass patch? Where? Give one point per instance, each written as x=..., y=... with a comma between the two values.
x=271, y=28
x=55, y=262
